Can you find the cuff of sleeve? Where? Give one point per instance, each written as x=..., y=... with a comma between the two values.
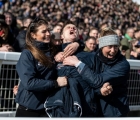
x=98, y=92
x=78, y=64
x=56, y=84
x=80, y=67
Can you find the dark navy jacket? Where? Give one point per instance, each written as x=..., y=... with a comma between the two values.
x=19, y=44
x=116, y=72
x=65, y=102
x=80, y=91
x=37, y=81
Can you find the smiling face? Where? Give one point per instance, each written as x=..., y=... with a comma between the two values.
x=130, y=32
x=8, y=19
x=110, y=51
x=42, y=34
x=70, y=33
x=57, y=29
x=91, y=44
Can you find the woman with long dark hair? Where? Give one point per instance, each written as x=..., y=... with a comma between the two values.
x=36, y=70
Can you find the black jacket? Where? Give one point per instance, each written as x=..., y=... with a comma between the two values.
x=96, y=72
x=65, y=102
x=36, y=80
x=19, y=44
x=79, y=94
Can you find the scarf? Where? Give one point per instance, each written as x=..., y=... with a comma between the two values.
x=41, y=45
x=107, y=60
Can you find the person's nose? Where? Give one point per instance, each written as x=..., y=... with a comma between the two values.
x=47, y=33
x=8, y=18
x=71, y=28
x=113, y=49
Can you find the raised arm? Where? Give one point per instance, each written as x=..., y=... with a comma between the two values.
x=116, y=75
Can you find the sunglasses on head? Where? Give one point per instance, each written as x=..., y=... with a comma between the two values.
x=36, y=20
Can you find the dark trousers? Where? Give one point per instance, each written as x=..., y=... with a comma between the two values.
x=23, y=112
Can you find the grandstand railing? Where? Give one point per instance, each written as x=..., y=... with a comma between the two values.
x=9, y=78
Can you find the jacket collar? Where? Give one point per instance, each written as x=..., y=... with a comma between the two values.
x=64, y=45
x=41, y=45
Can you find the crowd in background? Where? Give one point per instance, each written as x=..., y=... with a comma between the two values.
x=90, y=16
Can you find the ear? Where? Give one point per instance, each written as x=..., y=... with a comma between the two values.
x=33, y=35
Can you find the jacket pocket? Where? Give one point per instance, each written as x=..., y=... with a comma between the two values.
x=25, y=96
x=119, y=106
x=21, y=96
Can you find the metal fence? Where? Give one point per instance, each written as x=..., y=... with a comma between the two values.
x=9, y=78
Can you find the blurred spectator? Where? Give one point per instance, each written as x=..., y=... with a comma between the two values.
x=81, y=35
x=119, y=33
x=57, y=28
x=56, y=39
x=11, y=22
x=20, y=39
x=137, y=34
x=6, y=48
x=90, y=44
x=133, y=43
x=6, y=38
x=125, y=42
x=86, y=34
x=60, y=23
x=94, y=33
x=136, y=53
x=19, y=22
x=121, y=14
x=115, y=12
x=103, y=25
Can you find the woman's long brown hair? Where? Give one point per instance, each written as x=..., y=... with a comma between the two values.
x=37, y=53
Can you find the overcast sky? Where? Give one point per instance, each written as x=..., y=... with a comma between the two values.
x=138, y=1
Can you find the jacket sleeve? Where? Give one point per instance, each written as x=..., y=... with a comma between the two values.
x=115, y=76
x=27, y=73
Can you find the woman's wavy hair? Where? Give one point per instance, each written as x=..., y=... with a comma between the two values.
x=107, y=31
x=37, y=53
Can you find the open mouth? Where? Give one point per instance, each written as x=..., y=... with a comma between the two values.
x=71, y=32
x=46, y=38
x=110, y=56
